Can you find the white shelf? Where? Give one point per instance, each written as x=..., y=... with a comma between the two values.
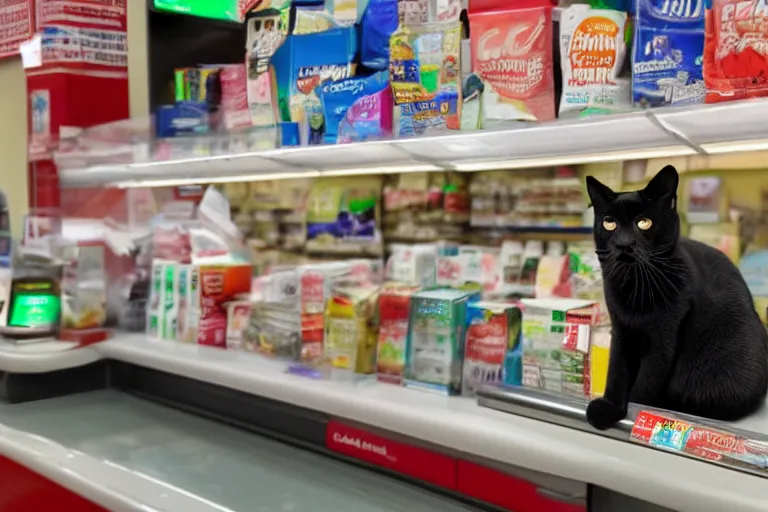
x=656, y=133
x=460, y=424
x=44, y=356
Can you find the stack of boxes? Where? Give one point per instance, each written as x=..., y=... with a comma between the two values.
x=557, y=344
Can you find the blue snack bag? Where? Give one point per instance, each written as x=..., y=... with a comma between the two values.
x=301, y=65
x=338, y=96
x=378, y=22
x=667, y=53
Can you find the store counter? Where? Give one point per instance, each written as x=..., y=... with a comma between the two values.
x=123, y=453
x=43, y=357
x=508, y=460
x=454, y=424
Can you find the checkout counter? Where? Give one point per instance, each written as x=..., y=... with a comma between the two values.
x=223, y=430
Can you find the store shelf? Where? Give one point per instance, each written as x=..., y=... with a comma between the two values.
x=542, y=230
x=44, y=356
x=713, y=129
x=707, y=129
x=461, y=425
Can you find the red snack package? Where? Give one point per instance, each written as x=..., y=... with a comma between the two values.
x=735, y=50
x=512, y=57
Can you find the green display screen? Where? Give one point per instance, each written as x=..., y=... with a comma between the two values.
x=214, y=9
x=34, y=305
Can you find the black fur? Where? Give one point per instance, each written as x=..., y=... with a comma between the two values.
x=686, y=336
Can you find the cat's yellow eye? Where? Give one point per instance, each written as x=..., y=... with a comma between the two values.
x=609, y=224
x=645, y=224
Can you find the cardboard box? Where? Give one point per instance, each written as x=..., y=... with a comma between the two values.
x=435, y=345
x=557, y=337
x=493, y=349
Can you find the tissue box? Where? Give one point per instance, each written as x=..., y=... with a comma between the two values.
x=492, y=348
x=435, y=345
x=557, y=337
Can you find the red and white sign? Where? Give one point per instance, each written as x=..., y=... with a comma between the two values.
x=414, y=461
x=82, y=82
x=108, y=14
x=17, y=24
x=84, y=34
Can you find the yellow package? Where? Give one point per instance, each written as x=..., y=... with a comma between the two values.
x=350, y=330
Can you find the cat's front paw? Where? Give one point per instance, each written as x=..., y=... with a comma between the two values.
x=602, y=414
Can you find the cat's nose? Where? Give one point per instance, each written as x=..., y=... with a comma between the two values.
x=627, y=246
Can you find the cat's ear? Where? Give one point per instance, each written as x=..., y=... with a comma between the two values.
x=600, y=195
x=663, y=186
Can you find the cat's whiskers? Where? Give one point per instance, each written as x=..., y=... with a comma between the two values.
x=653, y=273
x=660, y=273
x=653, y=264
x=634, y=288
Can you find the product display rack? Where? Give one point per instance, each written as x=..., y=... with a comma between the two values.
x=672, y=132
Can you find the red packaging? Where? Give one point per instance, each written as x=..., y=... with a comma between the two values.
x=725, y=448
x=234, y=109
x=219, y=284
x=312, y=296
x=512, y=56
x=394, y=310
x=735, y=50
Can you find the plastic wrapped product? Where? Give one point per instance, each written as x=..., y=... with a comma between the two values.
x=667, y=53
x=592, y=52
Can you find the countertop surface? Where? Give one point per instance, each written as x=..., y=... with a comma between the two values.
x=189, y=460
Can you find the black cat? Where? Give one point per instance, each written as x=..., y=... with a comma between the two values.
x=686, y=336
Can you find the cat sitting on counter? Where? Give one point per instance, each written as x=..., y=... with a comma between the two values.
x=685, y=333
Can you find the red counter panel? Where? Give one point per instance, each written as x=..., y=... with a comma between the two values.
x=22, y=490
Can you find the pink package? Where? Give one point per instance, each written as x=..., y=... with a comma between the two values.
x=234, y=110
x=368, y=117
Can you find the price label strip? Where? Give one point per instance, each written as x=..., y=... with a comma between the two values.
x=701, y=442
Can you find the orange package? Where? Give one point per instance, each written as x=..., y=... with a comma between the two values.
x=735, y=50
x=219, y=284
